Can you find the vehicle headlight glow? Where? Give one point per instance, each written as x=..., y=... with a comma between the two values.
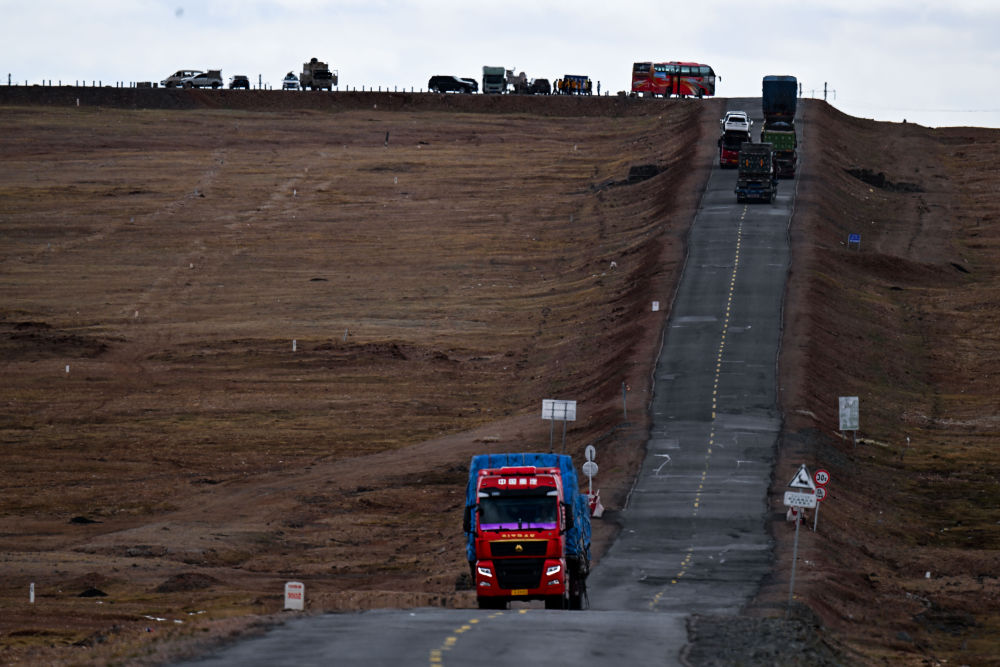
x=485, y=571
x=552, y=569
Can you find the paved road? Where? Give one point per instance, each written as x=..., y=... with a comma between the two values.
x=694, y=538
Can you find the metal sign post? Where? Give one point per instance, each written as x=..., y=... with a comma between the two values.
x=795, y=559
x=801, y=499
x=558, y=410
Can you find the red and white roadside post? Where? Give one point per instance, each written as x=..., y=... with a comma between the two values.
x=590, y=469
x=822, y=478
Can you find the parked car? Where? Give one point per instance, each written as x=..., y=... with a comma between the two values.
x=445, y=83
x=239, y=81
x=174, y=80
x=290, y=82
x=540, y=87
x=210, y=79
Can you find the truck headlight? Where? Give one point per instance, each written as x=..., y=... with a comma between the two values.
x=485, y=571
x=552, y=569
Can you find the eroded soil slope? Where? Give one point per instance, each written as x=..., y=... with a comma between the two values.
x=242, y=347
x=904, y=564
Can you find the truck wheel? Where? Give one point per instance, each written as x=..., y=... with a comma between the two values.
x=492, y=603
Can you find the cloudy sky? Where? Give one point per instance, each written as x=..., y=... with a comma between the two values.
x=936, y=63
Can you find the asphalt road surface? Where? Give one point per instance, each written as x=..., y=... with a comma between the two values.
x=693, y=537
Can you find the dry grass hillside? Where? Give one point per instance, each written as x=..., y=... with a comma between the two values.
x=166, y=443
x=442, y=265
x=904, y=566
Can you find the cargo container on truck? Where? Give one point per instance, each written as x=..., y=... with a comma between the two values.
x=781, y=136
x=528, y=530
x=779, y=97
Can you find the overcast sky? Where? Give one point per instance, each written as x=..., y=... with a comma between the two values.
x=936, y=63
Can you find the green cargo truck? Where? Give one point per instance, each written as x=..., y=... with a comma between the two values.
x=781, y=136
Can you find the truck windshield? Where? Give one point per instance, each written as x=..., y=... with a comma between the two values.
x=518, y=512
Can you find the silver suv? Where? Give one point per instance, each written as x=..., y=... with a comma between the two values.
x=210, y=79
x=175, y=79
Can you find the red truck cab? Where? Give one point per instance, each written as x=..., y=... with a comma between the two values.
x=519, y=523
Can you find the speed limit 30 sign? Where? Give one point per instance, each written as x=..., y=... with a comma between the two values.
x=822, y=477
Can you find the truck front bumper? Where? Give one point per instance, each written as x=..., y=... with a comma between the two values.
x=517, y=579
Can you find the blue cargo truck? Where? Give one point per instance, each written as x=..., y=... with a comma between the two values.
x=779, y=98
x=527, y=530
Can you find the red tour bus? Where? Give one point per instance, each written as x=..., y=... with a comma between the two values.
x=673, y=78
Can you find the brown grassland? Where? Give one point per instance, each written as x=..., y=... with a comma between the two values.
x=441, y=267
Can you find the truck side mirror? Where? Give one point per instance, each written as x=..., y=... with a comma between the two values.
x=568, y=515
x=467, y=520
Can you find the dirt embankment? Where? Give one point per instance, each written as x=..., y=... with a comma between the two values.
x=441, y=272
x=337, y=101
x=903, y=567
x=165, y=441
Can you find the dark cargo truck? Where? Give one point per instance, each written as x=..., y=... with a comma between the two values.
x=780, y=94
x=755, y=180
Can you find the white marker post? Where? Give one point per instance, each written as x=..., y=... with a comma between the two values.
x=295, y=596
x=31, y=593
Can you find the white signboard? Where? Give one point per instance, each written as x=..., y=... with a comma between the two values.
x=795, y=499
x=849, y=419
x=556, y=410
x=295, y=595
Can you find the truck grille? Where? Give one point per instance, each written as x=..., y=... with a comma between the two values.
x=510, y=548
x=519, y=572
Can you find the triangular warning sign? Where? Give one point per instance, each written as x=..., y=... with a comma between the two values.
x=802, y=479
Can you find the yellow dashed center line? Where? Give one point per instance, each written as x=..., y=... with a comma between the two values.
x=696, y=505
x=436, y=657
